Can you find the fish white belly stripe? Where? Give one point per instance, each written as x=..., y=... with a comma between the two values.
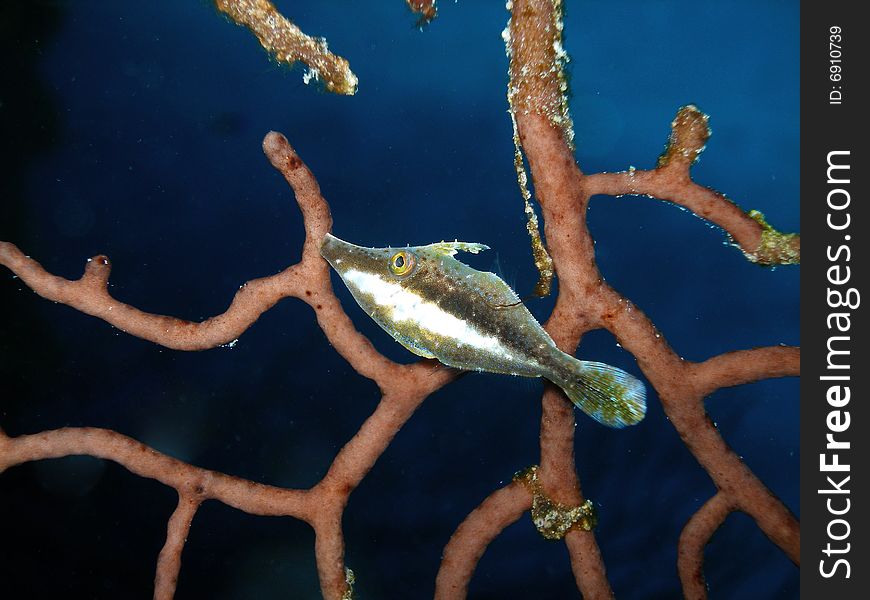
x=408, y=306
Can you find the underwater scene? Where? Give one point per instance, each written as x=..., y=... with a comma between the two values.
x=135, y=130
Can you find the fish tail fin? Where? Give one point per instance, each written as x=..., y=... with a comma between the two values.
x=607, y=394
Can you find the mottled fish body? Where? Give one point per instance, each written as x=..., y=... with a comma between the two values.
x=438, y=307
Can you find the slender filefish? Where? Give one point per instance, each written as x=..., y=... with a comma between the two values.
x=438, y=307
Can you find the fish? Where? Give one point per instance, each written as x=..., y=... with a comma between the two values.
x=440, y=308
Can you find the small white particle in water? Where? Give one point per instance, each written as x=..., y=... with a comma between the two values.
x=311, y=74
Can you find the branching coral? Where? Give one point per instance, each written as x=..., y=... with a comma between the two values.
x=289, y=44
x=403, y=389
x=585, y=303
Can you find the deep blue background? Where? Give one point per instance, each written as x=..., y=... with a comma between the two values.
x=134, y=129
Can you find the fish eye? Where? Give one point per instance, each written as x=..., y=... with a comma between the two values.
x=402, y=263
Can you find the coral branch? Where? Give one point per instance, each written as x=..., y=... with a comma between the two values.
x=585, y=301
x=587, y=565
x=468, y=543
x=681, y=395
x=695, y=536
x=404, y=388
x=746, y=366
x=138, y=458
x=671, y=181
x=169, y=561
x=537, y=86
x=671, y=185
x=315, y=288
x=360, y=453
x=329, y=549
x=90, y=295
x=558, y=474
x=537, y=77
x=307, y=280
x=288, y=44
x=425, y=8
x=543, y=128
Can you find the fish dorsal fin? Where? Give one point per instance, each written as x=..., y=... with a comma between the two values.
x=451, y=248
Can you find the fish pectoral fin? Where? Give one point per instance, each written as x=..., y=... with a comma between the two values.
x=451, y=248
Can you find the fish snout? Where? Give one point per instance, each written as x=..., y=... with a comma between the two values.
x=333, y=248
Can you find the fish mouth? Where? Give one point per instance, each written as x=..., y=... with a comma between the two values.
x=333, y=249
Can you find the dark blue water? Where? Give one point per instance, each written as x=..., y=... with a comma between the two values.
x=134, y=129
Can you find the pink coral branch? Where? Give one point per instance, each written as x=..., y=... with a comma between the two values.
x=695, y=536
x=671, y=181
x=585, y=301
x=169, y=561
x=404, y=386
x=587, y=565
x=307, y=280
x=745, y=366
x=329, y=548
x=136, y=457
x=682, y=386
x=468, y=543
x=671, y=184
x=90, y=295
